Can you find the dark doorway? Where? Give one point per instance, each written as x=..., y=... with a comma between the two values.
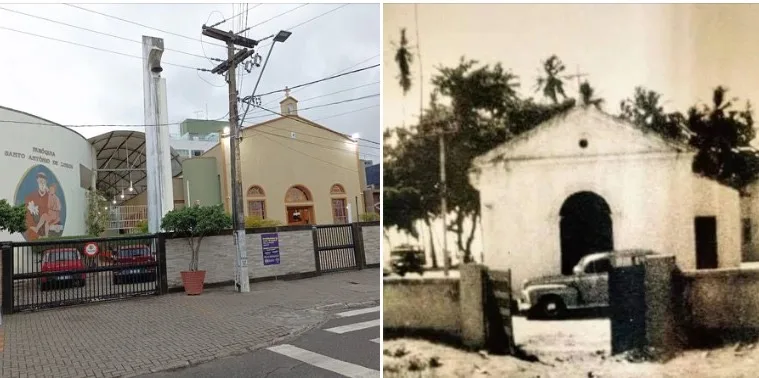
x=706, y=243
x=585, y=228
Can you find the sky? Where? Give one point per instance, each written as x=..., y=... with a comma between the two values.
x=681, y=51
x=74, y=85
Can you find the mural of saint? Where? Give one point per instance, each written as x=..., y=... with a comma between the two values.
x=45, y=203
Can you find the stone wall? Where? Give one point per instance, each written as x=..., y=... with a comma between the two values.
x=440, y=307
x=722, y=298
x=296, y=253
x=372, y=235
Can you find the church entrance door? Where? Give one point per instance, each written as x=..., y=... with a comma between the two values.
x=586, y=228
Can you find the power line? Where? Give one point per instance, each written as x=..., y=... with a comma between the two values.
x=338, y=72
x=97, y=48
x=302, y=133
x=323, y=105
x=142, y=25
x=320, y=80
x=311, y=156
x=305, y=122
x=331, y=94
x=271, y=18
x=102, y=33
x=227, y=19
x=258, y=130
x=350, y=112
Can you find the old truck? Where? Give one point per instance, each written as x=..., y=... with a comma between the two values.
x=587, y=287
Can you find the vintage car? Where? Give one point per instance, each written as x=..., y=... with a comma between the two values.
x=587, y=287
x=406, y=259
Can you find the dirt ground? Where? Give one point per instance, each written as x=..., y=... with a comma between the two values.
x=568, y=348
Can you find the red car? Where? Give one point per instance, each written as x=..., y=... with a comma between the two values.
x=129, y=255
x=58, y=260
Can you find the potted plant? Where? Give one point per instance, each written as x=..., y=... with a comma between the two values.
x=194, y=223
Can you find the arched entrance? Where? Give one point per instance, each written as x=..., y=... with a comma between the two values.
x=586, y=227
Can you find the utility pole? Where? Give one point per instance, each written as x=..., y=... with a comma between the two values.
x=444, y=205
x=229, y=67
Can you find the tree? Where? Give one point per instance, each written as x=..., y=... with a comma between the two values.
x=194, y=223
x=586, y=96
x=486, y=110
x=12, y=218
x=552, y=84
x=97, y=213
x=404, y=58
x=720, y=134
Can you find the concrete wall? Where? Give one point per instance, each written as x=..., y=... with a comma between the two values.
x=34, y=145
x=722, y=298
x=430, y=304
x=217, y=256
x=372, y=237
x=296, y=252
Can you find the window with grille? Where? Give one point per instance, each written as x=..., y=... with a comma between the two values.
x=257, y=209
x=339, y=211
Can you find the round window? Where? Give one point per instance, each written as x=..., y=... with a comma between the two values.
x=583, y=143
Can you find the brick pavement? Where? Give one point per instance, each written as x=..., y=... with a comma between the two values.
x=143, y=335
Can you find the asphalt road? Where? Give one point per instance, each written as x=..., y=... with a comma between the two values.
x=346, y=346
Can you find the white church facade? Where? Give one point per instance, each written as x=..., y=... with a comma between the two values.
x=585, y=181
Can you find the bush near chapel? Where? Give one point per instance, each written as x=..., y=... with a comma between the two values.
x=12, y=218
x=258, y=222
x=194, y=223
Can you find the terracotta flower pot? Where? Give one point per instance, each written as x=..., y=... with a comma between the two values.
x=193, y=281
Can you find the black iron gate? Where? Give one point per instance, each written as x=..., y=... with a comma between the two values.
x=62, y=272
x=627, y=305
x=337, y=248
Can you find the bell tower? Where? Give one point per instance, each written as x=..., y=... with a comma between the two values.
x=288, y=106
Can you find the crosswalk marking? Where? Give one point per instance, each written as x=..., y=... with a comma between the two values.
x=375, y=340
x=327, y=363
x=354, y=327
x=358, y=312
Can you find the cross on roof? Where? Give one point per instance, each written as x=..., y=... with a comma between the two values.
x=287, y=92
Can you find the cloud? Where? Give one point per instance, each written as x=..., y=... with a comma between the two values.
x=77, y=85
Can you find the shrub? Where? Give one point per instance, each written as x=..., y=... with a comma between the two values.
x=12, y=218
x=194, y=223
x=258, y=222
x=370, y=217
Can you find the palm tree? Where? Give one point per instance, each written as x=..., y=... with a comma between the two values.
x=552, y=84
x=404, y=58
x=586, y=94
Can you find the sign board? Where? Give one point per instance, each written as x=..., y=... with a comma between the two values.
x=270, y=247
x=91, y=249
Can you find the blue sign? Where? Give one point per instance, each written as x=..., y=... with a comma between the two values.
x=270, y=247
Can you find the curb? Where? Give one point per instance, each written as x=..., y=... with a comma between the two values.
x=184, y=364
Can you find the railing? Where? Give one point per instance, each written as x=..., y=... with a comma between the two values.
x=46, y=274
x=127, y=217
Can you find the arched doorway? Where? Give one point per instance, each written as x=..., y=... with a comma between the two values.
x=299, y=205
x=586, y=227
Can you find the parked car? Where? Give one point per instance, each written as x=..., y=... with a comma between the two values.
x=131, y=255
x=587, y=287
x=406, y=258
x=60, y=260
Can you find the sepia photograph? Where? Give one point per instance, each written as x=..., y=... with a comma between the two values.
x=570, y=190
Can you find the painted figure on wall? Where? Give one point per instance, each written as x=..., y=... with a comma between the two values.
x=45, y=203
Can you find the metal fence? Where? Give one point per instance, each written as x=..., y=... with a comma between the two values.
x=62, y=272
x=337, y=248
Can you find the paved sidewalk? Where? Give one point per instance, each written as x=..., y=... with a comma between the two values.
x=139, y=336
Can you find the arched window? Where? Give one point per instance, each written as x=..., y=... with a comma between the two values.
x=298, y=194
x=337, y=189
x=256, y=202
x=339, y=204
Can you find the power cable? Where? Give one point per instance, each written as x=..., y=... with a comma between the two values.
x=338, y=72
x=256, y=129
x=350, y=112
x=311, y=156
x=320, y=80
x=98, y=48
x=322, y=105
x=329, y=94
x=227, y=19
x=141, y=25
x=102, y=33
x=271, y=18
